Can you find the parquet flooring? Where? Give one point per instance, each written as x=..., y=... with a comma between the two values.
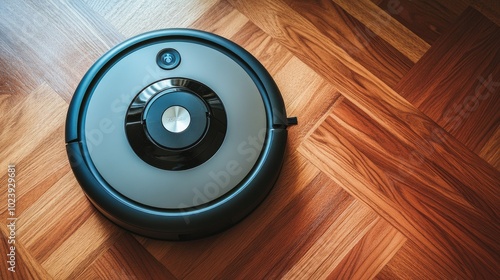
x=392, y=173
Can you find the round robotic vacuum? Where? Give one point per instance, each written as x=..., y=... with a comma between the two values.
x=176, y=134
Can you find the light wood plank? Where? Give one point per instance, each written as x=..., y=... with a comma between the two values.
x=53, y=42
x=66, y=216
x=489, y=8
x=371, y=253
x=25, y=266
x=342, y=235
x=126, y=259
x=221, y=19
x=90, y=240
x=40, y=113
x=133, y=18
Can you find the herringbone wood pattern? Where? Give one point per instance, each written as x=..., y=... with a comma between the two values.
x=393, y=171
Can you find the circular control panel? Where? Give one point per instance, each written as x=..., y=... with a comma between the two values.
x=176, y=134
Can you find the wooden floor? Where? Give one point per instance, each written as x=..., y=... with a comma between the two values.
x=392, y=173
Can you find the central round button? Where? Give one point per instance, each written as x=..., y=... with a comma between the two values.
x=176, y=119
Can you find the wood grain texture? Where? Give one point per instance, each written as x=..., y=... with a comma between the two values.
x=356, y=39
x=378, y=181
x=126, y=259
x=489, y=8
x=460, y=105
x=427, y=19
x=384, y=25
x=491, y=150
x=405, y=196
x=335, y=243
x=371, y=253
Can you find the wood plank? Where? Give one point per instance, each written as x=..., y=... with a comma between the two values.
x=35, y=175
x=491, y=150
x=454, y=6
x=69, y=43
x=444, y=214
x=37, y=233
x=25, y=112
x=428, y=19
x=371, y=253
x=304, y=220
x=90, y=240
x=270, y=53
x=300, y=98
x=457, y=83
x=489, y=8
x=414, y=262
x=335, y=243
x=126, y=259
x=221, y=19
x=357, y=40
x=25, y=266
x=389, y=29
x=31, y=154
x=325, y=57
x=131, y=19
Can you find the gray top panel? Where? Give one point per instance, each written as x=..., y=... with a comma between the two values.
x=128, y=174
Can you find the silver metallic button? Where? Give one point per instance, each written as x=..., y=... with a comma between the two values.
x=176, y=119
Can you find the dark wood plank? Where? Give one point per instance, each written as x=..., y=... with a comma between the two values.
x=357, y=40
x=457, y=83
x=428, y=19
x=489, y=8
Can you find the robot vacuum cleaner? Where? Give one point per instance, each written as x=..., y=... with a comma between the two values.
x=176, y=134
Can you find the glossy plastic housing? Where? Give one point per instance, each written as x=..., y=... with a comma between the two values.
x=192, y=222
